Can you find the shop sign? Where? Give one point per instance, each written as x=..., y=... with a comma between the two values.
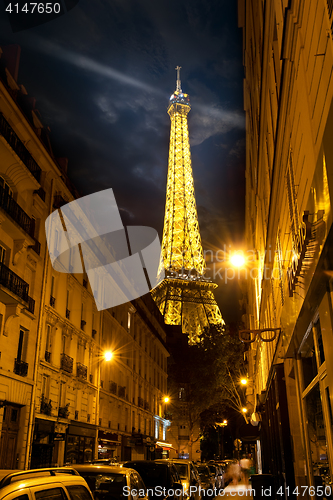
x=300, y=247
x=59, y=436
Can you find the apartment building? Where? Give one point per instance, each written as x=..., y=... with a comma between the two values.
x=63, y=398
x=288, y=62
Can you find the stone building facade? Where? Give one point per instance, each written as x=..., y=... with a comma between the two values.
x=288, y=90
x=61, y=401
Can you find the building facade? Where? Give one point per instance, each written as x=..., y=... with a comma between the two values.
x=288, y=88
x=61, y=401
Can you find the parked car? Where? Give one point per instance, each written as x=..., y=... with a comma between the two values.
x=158, y=475
x=189, y=476
x=55, y=483
x=206, y=477
x=108, y=482
x=218, y=474
x=103, y=461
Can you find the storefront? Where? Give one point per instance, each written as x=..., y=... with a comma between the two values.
x=109, y=445
x=80, y=443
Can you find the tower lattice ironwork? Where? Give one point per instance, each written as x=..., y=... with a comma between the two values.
x=185, y=296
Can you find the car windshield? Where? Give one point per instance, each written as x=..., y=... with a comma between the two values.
x=104, y=485
x=152, y=474
x=182, y=470
x=203, y=470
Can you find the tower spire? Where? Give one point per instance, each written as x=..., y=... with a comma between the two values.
x=185, y=296
x=178, y=83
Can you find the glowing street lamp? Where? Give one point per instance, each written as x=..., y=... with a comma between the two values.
x=244, y=381
x=108, y=355
x=166, y=399
x=244, y=410
x=237, y=259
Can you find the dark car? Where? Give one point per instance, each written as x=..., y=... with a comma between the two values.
x=160, y=478
x=218, y=474
x=206, y=477
x=112, y=482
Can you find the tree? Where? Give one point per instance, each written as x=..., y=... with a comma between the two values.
x=203, y=379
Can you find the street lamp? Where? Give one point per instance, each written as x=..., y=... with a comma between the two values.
x=237, y=259
x=108, y=355
x=244, y=381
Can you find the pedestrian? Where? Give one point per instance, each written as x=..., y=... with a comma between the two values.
x=233, y=473
x=245, y=465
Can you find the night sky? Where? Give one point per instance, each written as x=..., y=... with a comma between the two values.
x=102, y=75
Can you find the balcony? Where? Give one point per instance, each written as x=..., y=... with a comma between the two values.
x=13, y=209
x=21, y=367
x=45, y=405
x=52, y=301
x=63, y=411
x=59, y=201
x=68, y=314
x=146, y=405
x=81, y=371
x=41, y=193
x=66, y=363
x=31, y=305
x=35, y=247
x=14, y=283
x=47, y=356
x=122, y=392
x=17, y=145
x=113, y=387
x=140, y=402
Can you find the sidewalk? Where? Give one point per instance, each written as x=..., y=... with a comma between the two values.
x=239, y=490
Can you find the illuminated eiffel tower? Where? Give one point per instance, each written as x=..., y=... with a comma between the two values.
x=185, y=296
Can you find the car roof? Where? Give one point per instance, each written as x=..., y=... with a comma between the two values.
x=60, y=479
x=101, y=468
x=10, y=476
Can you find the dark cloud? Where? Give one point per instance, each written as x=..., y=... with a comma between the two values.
x=103, y=74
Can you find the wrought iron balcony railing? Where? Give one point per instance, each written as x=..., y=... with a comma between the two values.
x=45, y=405
x=68, y=314
x=13, y=209
x=81, y=371
x=14, y=283
x=41, y=193
x=66, y=363
x=31, y=305
x=52, y=301
x=17, y=145
x=63, y=411
x=113, y=387
x=121, y=392
x=140, y=402
x=36, y=247
x=146, y=405
x=21, y=367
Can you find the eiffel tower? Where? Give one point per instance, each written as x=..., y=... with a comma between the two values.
x=185, y=296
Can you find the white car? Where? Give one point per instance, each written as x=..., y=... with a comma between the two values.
x=43, y=484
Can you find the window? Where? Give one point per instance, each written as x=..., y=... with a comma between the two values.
x=2, y=257
x=21, y=345
x=51, y=494
x=7, y=189
x=78, y=492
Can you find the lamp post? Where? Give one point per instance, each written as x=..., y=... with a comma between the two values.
x=106, y=356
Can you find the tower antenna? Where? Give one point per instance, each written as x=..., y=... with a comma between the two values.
x=178, y=85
